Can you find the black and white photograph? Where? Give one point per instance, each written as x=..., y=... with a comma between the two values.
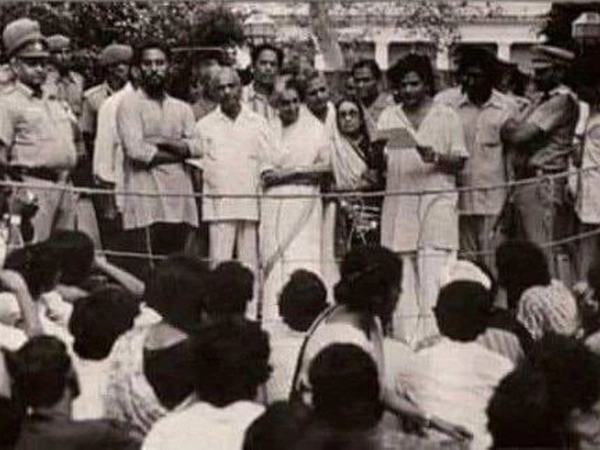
x=299, y=225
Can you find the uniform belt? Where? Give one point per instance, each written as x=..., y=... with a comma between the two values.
x=42, y=173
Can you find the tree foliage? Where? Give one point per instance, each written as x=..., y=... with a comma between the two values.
x=93, y=25
x=96, y=24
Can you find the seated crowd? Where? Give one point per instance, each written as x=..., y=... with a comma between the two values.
x=93, y=358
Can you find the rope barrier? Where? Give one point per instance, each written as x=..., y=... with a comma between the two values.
x=325, y=195
x=463, y=254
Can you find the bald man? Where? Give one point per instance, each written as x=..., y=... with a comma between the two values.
x=236, y=146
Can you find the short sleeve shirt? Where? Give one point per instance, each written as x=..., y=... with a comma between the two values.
x=557, y=117
x=37, y=131
x=486, y=166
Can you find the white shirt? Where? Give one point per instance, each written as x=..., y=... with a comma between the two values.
x=108, y=148
x=93, y=380
x=285, y=348
x=235, y=152
x=455, y=381
x=202, y=426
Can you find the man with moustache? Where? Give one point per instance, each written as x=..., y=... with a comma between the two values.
x=157, y=136
x=36, y=134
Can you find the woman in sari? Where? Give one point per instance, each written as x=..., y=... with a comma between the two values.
x=356, y=162
x=290, y=233
x=425, y=150
x=366, y=297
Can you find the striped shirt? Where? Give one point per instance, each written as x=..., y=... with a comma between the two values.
x=551, y=308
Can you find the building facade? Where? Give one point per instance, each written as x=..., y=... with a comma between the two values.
x=378, y=29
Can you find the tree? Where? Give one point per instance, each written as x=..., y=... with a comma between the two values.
x=93, y=25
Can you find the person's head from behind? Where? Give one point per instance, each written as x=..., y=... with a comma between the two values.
x=542, y=403
x=478, y=69
x=520, y=413
x=99, y=319
x=75, y=253
x=177, y=291
x=302, y=299
x=345, y=388
x=366, y=75
x=412, y=79
x=43, y=373
x=38, y=265
x=370, y=279
x=520, y=265
x=281, y=426
x=350, y=118
x=572, y=370
x=231, y=360
x=231, y=289
x=462, y=310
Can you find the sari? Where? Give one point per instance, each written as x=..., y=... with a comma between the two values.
x=357, y=219
x=290, y=228
x=323, y=333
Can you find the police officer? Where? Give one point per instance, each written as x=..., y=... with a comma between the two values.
x=543, y=135
x=36, y=133
x=114, y=61
x=66, y=84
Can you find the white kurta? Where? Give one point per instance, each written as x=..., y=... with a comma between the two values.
x=424, y=227
x=290, y=230
x=141, y=119
x=429, y=220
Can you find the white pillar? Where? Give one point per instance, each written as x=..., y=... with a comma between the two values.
x=504, y=51
x=442, y=59
x=382, y=54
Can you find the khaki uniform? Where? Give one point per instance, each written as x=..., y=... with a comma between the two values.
x=542, y=206
x=68, y=89
x=92, y=100
x=38, y=136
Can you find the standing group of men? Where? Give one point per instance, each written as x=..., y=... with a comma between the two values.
x=128, y=134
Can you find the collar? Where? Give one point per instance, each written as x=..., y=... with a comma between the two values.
x=225, y=118
x=109, y=91
x=27, y=91
x=495, y=100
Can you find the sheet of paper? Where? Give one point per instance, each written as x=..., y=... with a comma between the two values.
x=399, y=138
